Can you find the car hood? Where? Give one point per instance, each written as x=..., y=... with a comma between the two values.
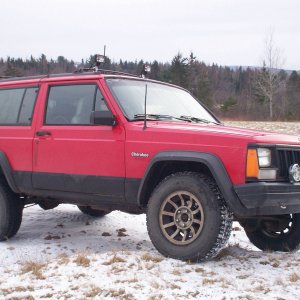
x=243, y=133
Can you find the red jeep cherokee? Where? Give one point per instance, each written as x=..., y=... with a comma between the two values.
x=106, y=141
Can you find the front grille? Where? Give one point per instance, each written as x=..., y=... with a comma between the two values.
x=286, y=158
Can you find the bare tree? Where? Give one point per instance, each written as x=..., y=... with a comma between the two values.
x=269, y=81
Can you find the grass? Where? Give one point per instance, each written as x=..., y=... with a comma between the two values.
x=35, y=268
x=194, y=294
x=76, y=276
x=118, y=294
x=262, y=288
x=82, y=260
x=117, y=269
x=131, y=280
x=93, y=291
x=148, y=257
x=155, y=285
x=174, y=286
x=199, y=270
x=206, y=281
x=212, y=281
x=114, y=259
x=275, y=264
x=47, y=296
x=294, y=277
x=156, y=297
x=176, y=272
x=63, y=259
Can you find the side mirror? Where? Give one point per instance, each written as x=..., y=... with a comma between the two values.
x=103, y=118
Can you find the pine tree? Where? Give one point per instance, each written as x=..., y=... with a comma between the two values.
x=179, y=70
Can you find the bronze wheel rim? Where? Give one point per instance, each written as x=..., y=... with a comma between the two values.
x=181, y=218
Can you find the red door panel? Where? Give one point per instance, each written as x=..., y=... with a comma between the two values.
x=93, y=151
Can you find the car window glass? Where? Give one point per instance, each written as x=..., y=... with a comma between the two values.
x=10, y=101
x=70, y=104
x=162, y=99
x=27, y=106
x=100, y=104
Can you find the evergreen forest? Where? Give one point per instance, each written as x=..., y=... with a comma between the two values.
x=236, y=93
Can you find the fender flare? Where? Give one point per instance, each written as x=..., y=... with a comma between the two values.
x=7, y=172
x=211, y=161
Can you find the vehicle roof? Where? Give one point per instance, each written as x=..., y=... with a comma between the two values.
x=63, y=76
x=35, y=80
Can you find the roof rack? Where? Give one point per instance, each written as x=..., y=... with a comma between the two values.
x=11, y=78
x=85, y=72
x=95, y=70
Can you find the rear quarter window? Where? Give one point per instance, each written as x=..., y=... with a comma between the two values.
x=16, y=105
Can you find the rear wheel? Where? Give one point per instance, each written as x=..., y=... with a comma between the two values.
x=11, y=210
x=93, y=211
x=187, y=218
x=276, y=233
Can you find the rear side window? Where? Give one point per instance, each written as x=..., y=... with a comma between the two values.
x=73, y=104
x=16, y=105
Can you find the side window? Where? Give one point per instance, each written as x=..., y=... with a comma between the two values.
x=16, y=106
x=73, y=104
x=100, y=104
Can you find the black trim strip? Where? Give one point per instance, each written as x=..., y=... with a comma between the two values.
x=71, y=186
x=86, y=184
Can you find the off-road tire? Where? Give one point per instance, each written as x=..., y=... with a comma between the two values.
x=97, y=213
x=11, y=210
x=216, y=219
x=265, y=239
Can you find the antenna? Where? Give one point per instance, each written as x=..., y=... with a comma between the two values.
x=145, y=112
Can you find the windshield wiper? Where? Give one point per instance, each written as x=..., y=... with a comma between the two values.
x=158, y=117
x=181, y=118
x=198, y=120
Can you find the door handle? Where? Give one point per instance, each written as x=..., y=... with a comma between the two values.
x=43, y=133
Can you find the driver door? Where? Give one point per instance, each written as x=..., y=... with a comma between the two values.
x=70, y=153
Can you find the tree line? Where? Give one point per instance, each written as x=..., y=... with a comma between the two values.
x=240, y=93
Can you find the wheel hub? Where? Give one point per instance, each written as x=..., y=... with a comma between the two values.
x=183, y=217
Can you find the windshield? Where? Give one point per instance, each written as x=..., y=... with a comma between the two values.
x=163, y=101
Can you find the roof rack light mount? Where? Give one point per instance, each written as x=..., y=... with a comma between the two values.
x=146, y=70
x=98, y=60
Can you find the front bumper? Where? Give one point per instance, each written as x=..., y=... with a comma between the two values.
x=264, y=198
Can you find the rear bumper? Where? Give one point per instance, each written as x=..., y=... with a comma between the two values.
x=265, y=198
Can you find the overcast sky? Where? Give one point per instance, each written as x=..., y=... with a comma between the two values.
x=226, y=32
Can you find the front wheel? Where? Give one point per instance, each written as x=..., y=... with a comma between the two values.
x=187, y=218
x=276, y=233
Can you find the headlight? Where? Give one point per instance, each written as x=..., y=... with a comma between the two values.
x=264, y=157
x=259, y=164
